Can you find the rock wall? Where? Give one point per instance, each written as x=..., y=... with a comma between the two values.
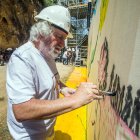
x=16, y=18
x=114, y=65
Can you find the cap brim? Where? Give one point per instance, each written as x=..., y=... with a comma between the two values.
x=70, y=35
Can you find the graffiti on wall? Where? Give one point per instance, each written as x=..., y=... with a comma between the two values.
x=130, y=112
x=103, y=11
x=102, y=66
x=117, y=114
x=113, y=66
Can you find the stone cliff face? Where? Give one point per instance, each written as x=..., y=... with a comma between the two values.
x=16, y=18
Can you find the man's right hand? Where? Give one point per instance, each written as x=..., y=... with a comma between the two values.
x=86, y=93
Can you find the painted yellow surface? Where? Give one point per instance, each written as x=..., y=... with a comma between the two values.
x=103, y=11
x=72, y=125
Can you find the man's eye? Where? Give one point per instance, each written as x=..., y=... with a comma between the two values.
x=60, y=37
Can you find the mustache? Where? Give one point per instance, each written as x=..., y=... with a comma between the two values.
x=57, y=49
x=52, y=51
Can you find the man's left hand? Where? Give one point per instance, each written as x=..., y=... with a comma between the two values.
x=66, y=91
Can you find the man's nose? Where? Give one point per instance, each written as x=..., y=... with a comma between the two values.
x=61, y=44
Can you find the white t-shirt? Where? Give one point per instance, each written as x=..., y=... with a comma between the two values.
x=30, y=74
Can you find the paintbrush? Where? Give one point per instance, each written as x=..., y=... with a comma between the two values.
x=108, y=93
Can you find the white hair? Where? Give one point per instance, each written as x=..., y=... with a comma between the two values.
x=42, y=28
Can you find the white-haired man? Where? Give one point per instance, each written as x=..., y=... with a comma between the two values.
x=33, y=81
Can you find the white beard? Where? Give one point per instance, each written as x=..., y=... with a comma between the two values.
x=48, y=52
x=54, y=53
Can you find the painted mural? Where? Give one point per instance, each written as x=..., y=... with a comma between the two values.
x=113, y=64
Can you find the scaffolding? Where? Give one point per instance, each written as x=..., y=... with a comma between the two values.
x=79, y=12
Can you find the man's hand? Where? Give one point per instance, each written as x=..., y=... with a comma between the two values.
x=67, y=91
x=86, y=93
x=40, y=109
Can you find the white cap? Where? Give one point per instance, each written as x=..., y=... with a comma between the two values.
x=57, y=15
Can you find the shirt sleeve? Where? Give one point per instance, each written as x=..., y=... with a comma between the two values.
x=20, y=84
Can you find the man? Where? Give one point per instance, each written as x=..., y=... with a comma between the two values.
x=33, y=81
x=65, y=58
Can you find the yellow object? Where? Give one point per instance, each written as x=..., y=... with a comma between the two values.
x=72, y=125
x=51, y=137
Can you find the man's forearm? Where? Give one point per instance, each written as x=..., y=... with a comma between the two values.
x=37, y=109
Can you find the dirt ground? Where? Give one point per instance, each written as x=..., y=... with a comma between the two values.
x=64, y=70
